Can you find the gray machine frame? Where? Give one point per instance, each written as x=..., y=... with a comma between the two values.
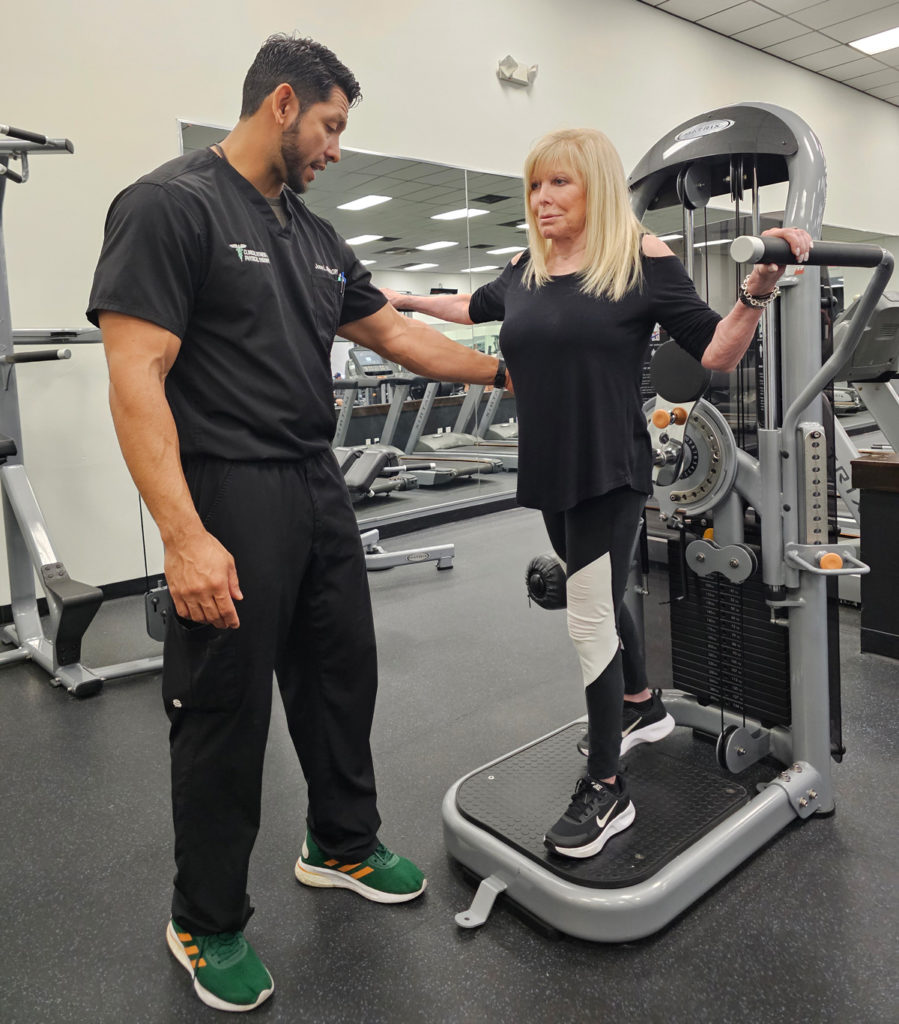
x=54, y=642
x=782, y=484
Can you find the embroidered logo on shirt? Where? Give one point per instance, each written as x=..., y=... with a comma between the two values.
x=247, y=255
x=333, y=271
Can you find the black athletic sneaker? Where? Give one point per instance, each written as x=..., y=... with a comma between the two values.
x=597, y=812
x=638, y=725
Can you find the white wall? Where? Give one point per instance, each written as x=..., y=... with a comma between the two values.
x=115, y=76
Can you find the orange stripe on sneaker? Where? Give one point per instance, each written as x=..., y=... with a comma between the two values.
x=362, y=873
x=349, y=867
x=185, y=936
x=190, y=950
x=331, y=863
x=201, y=962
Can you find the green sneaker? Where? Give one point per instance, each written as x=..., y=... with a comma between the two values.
x=383, y=877
x=227, y=973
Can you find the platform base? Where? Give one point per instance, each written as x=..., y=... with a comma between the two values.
x=695, y=823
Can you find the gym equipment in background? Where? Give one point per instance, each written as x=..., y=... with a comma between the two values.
x=53, y=643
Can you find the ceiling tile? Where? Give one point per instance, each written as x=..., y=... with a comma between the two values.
x=776, y=31
x=736, y=19
x=693, y=10
x=843, y=72
x=886, y=92
x=832, y=12
x=889, y=57
x=831, y=58
x=859, y=66
x=790, y=7
x=801, y=46
x=866, y=25
x=886, y=76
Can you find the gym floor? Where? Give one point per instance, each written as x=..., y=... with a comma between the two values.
x=805, y=931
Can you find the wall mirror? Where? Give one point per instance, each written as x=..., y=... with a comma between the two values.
x=417, y=226
x=413, y=249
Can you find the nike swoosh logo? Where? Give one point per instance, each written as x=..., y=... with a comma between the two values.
x=602, y=822
x=631, y=728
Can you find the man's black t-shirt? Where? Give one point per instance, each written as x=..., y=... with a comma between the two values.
x=576, y=363
x=196, y=249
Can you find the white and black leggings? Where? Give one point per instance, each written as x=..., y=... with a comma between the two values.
x=595, y=539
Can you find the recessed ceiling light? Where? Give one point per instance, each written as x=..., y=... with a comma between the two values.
x=365, y=202
x=367, y=263
x=420, y=266
x=458, y=214
x=477, y=270
x=436, y=245
x=888, y=40
x=504, y=250
x=362, y=239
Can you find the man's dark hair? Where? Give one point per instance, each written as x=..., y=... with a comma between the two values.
x=309, y=68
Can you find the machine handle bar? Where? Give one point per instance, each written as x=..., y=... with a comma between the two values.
x=752, y=249
x=20, y=133
x=42, y=355
x=406, y=378
x=5, y=172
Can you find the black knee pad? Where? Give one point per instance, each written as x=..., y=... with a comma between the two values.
x=545, y=579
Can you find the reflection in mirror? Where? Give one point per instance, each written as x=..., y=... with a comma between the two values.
x=418, y=227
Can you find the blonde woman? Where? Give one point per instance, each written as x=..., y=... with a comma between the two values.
x=578, y=309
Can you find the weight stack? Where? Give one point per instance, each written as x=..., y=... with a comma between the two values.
x=725, y=649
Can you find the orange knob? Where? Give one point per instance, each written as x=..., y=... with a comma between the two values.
x=709, y=533
x=679, y=415
x=830, y=560
x=661, y=419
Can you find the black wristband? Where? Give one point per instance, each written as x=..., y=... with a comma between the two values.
x=499, y=381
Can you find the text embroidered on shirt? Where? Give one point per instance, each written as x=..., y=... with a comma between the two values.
x=247, y=255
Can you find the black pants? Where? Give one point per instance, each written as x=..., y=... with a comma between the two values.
x=305, y=616
x=595, y=539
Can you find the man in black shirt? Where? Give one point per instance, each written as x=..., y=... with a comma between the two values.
x=219, y=294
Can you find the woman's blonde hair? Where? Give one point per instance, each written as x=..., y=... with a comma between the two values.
x=612, y=264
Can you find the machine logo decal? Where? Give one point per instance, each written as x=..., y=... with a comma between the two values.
x=697, y=131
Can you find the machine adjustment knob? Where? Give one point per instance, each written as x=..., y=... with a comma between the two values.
x=662, y=418
x=830, y=560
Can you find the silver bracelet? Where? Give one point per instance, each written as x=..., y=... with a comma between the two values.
x=756, y=301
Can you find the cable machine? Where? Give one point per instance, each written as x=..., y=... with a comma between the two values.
x=770, y=548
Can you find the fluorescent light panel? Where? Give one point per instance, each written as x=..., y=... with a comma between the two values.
x=436, y=245
x=365, y=202
x=362, y=239
x=367, y=263
x=477, y=270
x=888, y=40
x=508, y=248
x=720, y=241
x=420, y=266
x=458, y=214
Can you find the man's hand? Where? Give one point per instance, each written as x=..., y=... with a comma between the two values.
x=202, y=580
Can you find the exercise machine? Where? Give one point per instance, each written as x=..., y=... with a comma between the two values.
x=429, y=469
x=751, y=526
x=363, y=469
x=54, y=642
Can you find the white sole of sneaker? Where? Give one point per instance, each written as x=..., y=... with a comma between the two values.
x=616, y=825
x=328, y=878
x=178, y=952
x=648, y=734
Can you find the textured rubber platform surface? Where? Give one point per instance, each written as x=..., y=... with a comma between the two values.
x=677, y=802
